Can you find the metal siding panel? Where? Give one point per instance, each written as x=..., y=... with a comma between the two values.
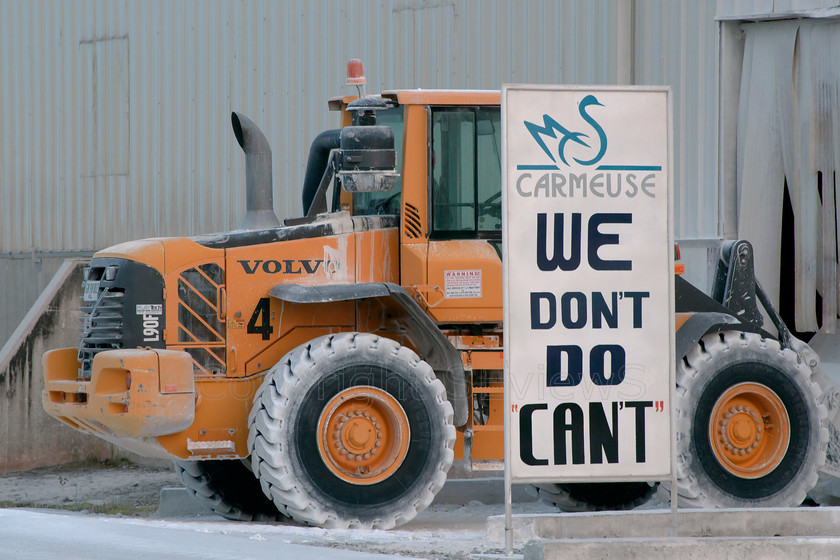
x=775, y=9
x=803, y=6
x=729, y=9
x=23, y=113
x=676, y=45
x=105, y=67
x=191, y=63
x=10, y=19
x=9, y=16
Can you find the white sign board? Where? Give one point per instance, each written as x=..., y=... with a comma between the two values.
x=589, y=273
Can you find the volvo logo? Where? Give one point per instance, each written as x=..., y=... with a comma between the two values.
x=286, y=266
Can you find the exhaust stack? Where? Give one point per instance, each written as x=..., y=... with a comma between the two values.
x=259, y=205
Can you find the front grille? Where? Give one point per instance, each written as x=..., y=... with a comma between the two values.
x=102, y=325
x=122, y=308
x=200, y=328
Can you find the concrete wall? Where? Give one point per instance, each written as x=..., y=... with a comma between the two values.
x=24, y=277
x=30, y=438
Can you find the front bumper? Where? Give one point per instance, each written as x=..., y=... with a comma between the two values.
x=131, y=394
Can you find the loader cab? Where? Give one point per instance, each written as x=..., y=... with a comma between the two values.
x=448, y=198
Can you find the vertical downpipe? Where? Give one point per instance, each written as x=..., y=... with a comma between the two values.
x=625, y=42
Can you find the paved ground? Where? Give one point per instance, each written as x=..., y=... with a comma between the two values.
x=37, y=534
x=94, y=510
x=125, y=497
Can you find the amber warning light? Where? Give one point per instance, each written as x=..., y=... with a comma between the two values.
x=356, y=75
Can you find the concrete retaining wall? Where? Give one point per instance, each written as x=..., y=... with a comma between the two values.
x=29, y=438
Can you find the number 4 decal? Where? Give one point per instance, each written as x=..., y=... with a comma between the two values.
x=260, y=322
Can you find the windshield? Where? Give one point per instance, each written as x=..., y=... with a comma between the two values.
x=372, y=203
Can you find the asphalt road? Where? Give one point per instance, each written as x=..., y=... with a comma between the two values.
x=38, y=534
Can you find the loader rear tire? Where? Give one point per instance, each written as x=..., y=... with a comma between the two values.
x=596, y=496
x=351, y=430
x=227, y=488
x=751, y=431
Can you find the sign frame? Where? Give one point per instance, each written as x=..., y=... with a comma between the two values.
x=667, y=472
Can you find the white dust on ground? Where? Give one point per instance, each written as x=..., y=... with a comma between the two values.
x=447, y=531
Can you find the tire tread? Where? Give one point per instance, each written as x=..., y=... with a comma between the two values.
x=286, y=382
x=694, y=490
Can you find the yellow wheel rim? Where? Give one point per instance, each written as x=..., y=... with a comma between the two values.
x=363, y=435
x=749, y=430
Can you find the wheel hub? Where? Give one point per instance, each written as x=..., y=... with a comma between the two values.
x=357, y=435
x=363, y=435
x=740, y=430
x=749, y=430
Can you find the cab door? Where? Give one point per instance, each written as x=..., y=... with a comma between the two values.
x=464, y=264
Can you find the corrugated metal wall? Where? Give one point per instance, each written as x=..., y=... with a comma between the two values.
x=676, y=45
x=115, y=116
x=776, y=9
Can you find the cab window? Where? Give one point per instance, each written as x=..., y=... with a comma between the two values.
x=465, y=182
x=372, y=203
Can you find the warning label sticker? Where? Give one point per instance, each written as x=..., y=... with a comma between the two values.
x=462, y=284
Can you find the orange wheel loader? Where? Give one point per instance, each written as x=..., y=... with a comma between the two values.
x=330, y=369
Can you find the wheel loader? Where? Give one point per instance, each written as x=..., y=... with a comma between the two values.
x=332, y=368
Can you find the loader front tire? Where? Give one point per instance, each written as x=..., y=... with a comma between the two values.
x=227, y=488
x=595, y=496
x=751, y=431
x=351, y=430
